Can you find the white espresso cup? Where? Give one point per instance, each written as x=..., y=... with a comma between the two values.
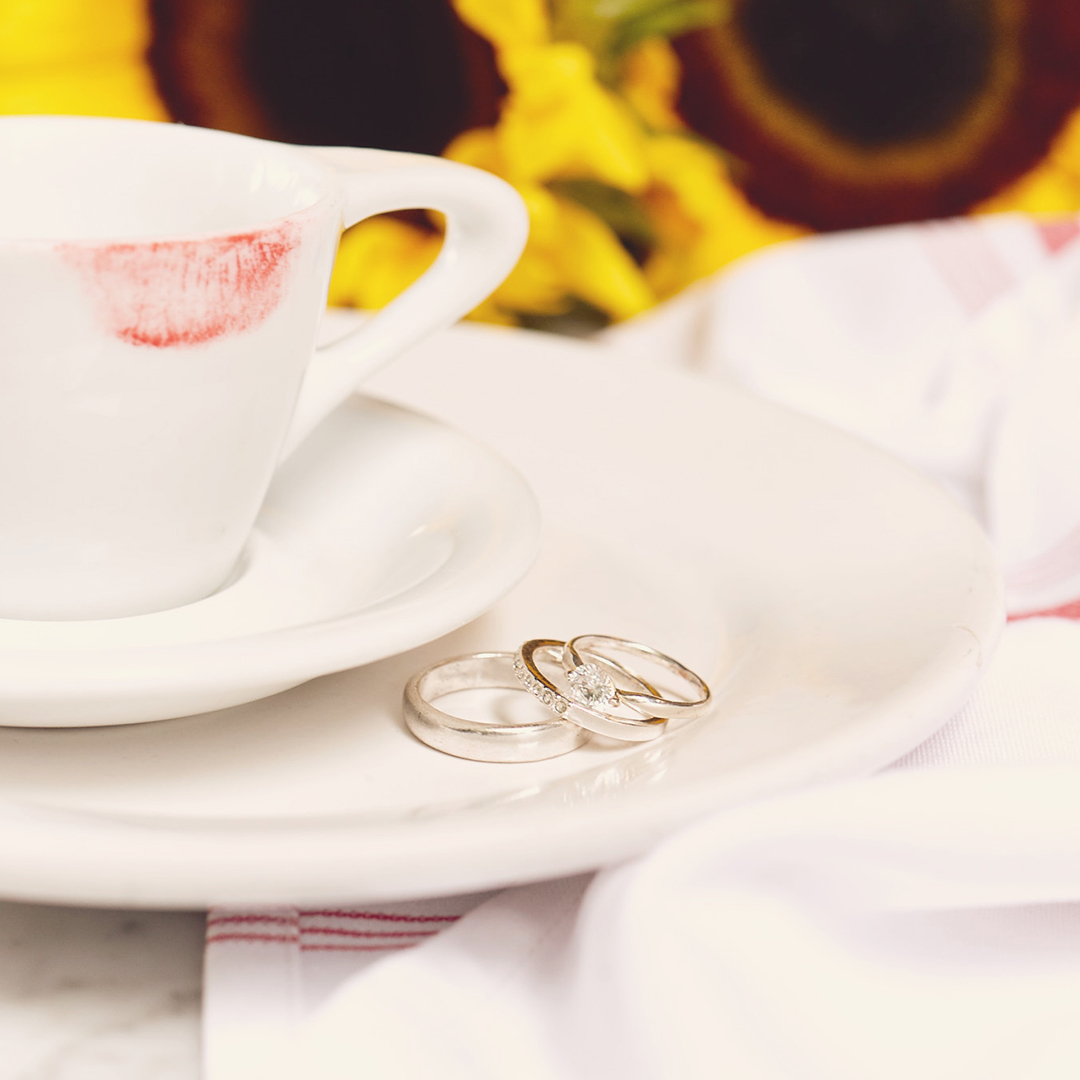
x=161, y=288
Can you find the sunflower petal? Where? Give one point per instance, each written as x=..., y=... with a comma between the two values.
x=506, y=23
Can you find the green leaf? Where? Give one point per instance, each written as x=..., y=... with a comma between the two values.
x=620, y=211
x=608, y=28
x=580, y=319
x=666, y=20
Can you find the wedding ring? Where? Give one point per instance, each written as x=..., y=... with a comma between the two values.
x=481, y=740
x=590, y=688
x=585, y=648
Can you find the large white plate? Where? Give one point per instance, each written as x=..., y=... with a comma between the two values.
x=841, y=606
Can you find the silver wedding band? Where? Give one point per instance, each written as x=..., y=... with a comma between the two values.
x=481, y=740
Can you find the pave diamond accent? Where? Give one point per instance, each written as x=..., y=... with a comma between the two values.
x=591, y=686
x=531, y=683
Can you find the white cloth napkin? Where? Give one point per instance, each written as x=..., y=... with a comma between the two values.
x=955, y=345
x=923, y=922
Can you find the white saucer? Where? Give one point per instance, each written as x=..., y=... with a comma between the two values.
x=386, y=529
x=841, y=606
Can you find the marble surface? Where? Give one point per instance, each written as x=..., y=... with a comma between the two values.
x=88, y=994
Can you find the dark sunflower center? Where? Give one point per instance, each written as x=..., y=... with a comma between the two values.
x=873, y=71
x=358, y=72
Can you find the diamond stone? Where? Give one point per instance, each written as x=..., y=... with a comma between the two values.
x=591, y=686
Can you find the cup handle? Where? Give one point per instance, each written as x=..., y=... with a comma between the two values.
x=486, y=228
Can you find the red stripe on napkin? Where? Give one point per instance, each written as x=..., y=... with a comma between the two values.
x=1071, y=610
x=1058, y=234
x=315, y=931
x=339, y=932
x=281, y=920
x=287, y=939
x=382, y=916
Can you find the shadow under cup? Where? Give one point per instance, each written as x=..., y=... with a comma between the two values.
x=160, y=292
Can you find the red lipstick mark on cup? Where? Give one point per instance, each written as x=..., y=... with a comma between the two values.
x=186, y=292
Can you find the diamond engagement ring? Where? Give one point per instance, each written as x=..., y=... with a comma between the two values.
x=481, y=740
x=580, y=656
x=591, y=695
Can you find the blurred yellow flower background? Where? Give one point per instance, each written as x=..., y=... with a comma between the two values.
x=627, y=205
x=600, y=161
x=595, y=163
x=70, y=56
